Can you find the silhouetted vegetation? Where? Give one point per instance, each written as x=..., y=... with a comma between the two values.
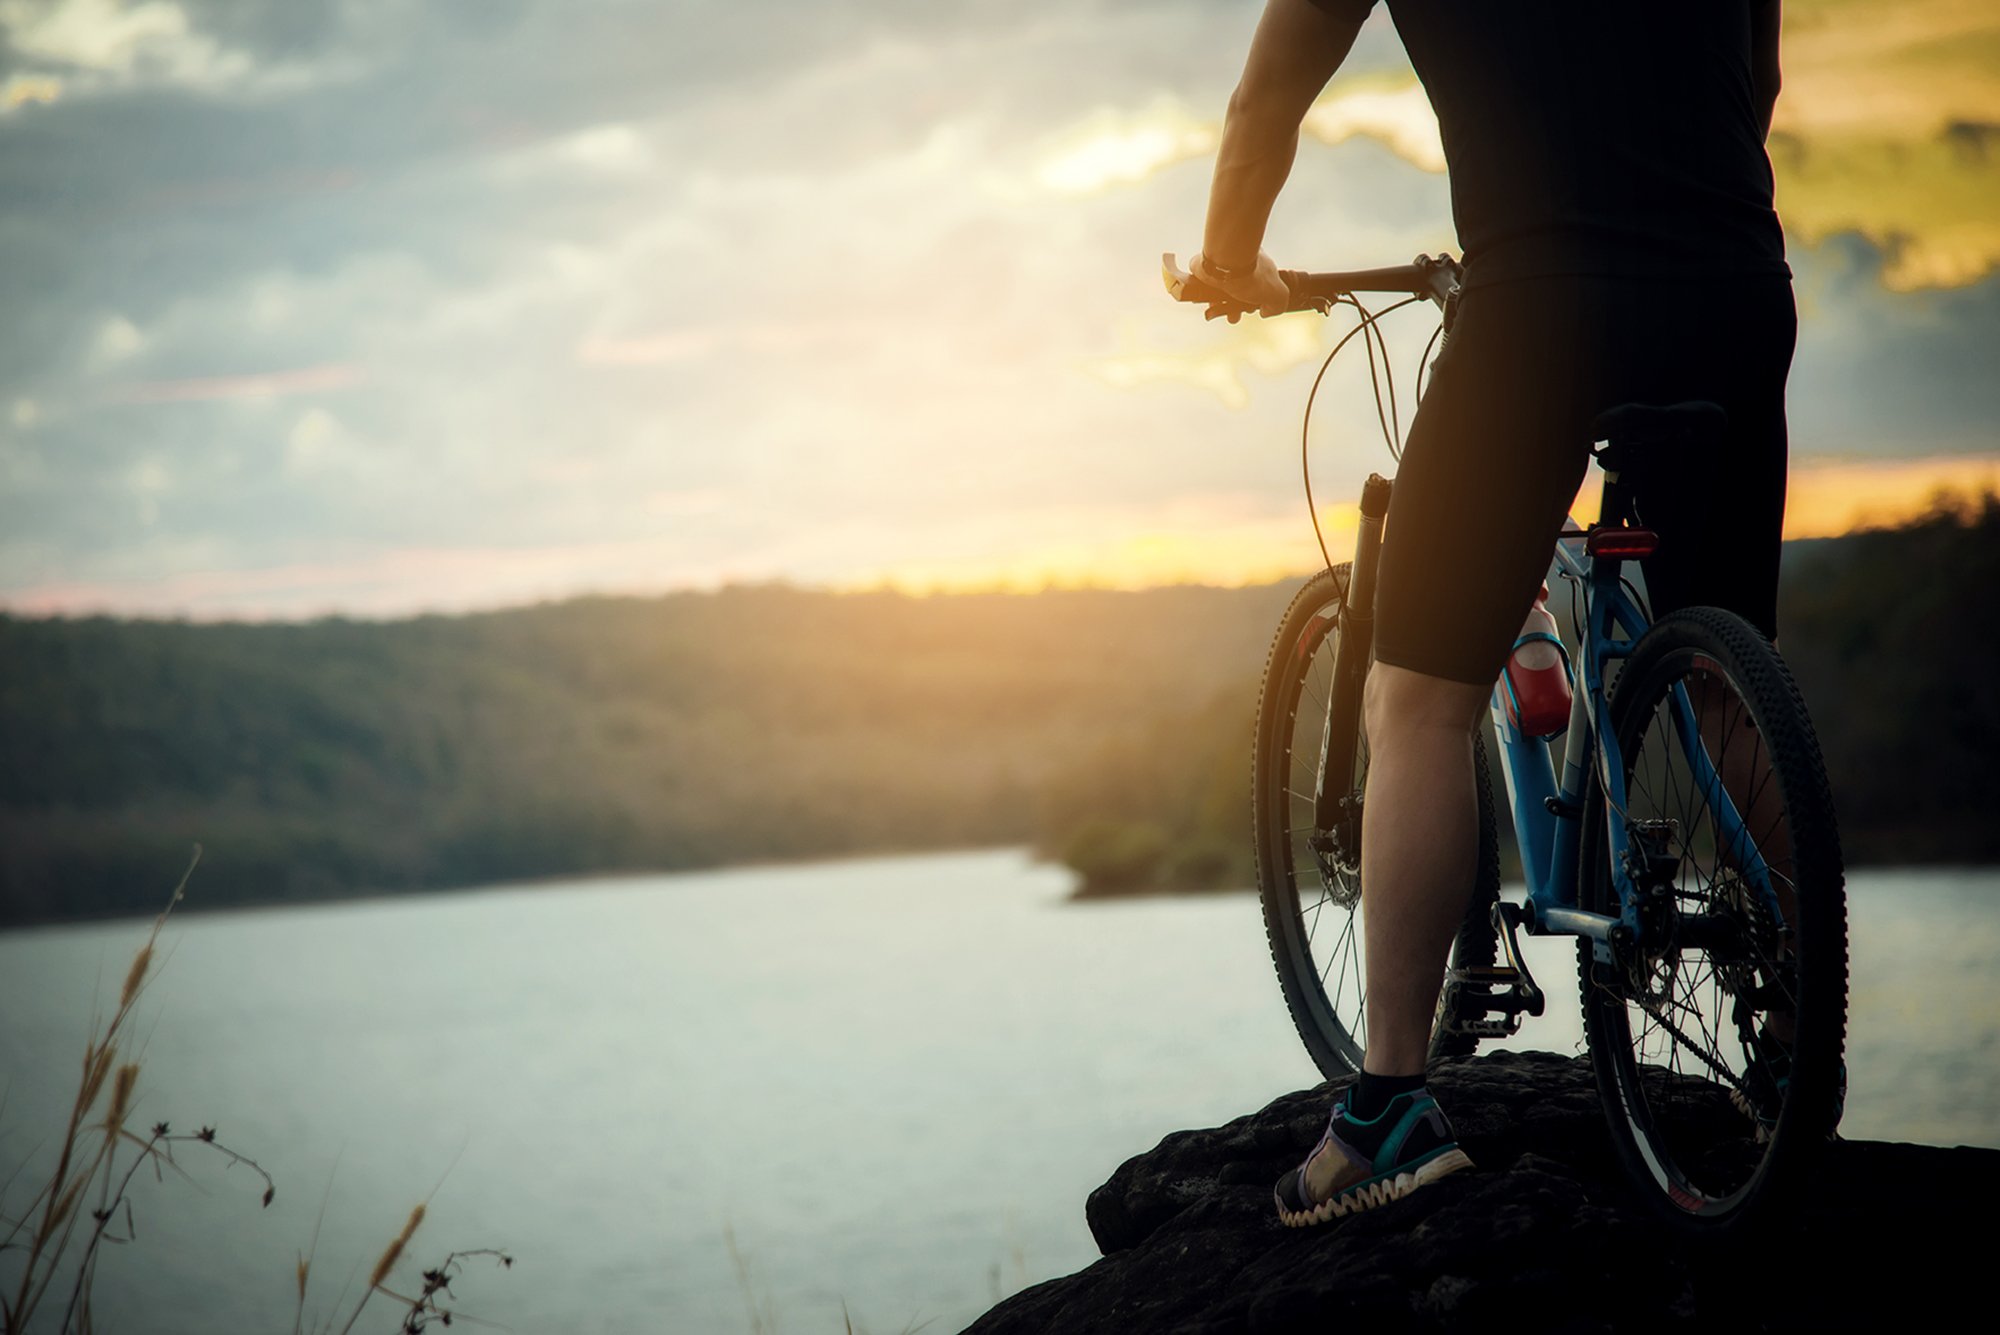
x=342, y=757
x=50, y=1255
x=1109, y=729
x=1885, y=633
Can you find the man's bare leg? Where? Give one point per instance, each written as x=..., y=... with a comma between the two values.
x=1419, y=840
x=1419, y=844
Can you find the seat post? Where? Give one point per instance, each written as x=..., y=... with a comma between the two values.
x=1632, y=426
x=1614, y=509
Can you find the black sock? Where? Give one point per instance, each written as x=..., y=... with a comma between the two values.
x=1372, y=1093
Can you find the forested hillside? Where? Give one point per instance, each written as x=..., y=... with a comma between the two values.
x=1112, y=729
x=1886, y=633
x=343, y=757
x=1889, y=636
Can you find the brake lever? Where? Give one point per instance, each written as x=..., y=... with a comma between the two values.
x=1183, y=286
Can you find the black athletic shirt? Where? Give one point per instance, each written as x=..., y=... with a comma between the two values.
x=1613, y=137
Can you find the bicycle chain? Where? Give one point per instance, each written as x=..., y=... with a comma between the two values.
x=1714, y=1062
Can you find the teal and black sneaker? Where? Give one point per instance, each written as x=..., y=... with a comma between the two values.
x=1359, y=1165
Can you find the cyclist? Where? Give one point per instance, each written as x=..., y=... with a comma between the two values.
x=1613, y=202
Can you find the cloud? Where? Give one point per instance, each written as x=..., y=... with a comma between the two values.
x=24, y=90
x=616, y=148
x=1392, y=110
x=118, y=339
x=508, y=300
x=1889, y=373
x=1217, y=366
x=739, y=339
x=1111, y=148
x=1929, y=204
x=258, y=385
x=647, y=349
x=1889, y=127
x=119, y=43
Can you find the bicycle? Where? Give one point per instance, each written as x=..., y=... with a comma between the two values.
x=1688, y=842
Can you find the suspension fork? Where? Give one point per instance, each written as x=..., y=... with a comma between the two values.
x=1333, y=791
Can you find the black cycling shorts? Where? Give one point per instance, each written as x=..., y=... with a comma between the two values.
x=1500, y=445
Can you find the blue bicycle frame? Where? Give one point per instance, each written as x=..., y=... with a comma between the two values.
x=1548, y=818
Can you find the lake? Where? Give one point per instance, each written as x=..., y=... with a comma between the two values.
x=763, y=1099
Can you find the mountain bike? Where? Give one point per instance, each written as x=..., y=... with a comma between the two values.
x=1687, y=839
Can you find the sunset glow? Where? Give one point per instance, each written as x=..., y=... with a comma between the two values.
x=1828, y=499
x=1181, y=550
x=1109, y=149
x=372, y=314
x=1824, y=500
x=1395, y=112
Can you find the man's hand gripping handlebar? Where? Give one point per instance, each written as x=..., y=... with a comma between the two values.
x=1432, y=276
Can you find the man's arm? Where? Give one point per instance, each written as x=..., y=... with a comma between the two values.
x=1298, y=46
x=1764, y=78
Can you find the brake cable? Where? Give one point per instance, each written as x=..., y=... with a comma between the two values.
x=1387, y=417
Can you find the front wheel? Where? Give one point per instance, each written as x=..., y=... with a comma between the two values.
x=1716, y=1039
x=1309, y=879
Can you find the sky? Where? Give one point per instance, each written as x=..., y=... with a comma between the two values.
x=384, y=306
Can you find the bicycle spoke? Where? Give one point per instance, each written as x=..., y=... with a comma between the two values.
x=1321, y=958
x=1692, y=1020
x=1339, y=953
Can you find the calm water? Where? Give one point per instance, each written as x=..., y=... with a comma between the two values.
x=890, y=1082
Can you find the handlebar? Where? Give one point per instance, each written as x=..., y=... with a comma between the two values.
x=1432, y=277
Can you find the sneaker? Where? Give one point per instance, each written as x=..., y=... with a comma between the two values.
x=1359, y=1165
x=1766, y=1080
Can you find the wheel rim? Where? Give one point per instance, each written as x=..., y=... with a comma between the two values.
x=1685, y=1019
x=1324, y=890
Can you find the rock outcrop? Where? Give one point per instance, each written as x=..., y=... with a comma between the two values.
x=1545, y=1235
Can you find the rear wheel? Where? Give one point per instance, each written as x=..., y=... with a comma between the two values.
x=1717, y=1042
x=1312, y=894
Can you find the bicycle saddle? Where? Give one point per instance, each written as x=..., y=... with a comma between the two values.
x=1655, y=424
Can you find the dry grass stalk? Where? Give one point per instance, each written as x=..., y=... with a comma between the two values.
x=96, y=1065
x=67, y=1204
x=388, y=1261
x=81, y=1164
x=424, y=1307
x=135, y=976
x=121, y=1099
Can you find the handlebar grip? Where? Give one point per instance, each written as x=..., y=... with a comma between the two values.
x=1183, y=286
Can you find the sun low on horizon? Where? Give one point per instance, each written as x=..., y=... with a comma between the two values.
x=373, y=310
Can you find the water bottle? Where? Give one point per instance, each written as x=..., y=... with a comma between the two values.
x=1535, y=681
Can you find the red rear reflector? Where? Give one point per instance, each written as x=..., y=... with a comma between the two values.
x=1623, y=544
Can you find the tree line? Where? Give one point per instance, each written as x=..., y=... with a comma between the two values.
x=1109, y=729
x=1884, y=634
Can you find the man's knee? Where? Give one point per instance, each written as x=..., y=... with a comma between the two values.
x=1397, y=698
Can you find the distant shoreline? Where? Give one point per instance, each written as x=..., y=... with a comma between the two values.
x=192, y=905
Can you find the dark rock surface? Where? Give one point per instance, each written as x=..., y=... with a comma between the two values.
x=1544, y=1235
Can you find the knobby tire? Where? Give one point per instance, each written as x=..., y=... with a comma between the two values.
x=1315, y=938
x=1672, y=1033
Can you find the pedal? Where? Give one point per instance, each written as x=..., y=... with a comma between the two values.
x=1490, y=976
x=1482, y=1002
x=1489, y=1000
x=1506, y=921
